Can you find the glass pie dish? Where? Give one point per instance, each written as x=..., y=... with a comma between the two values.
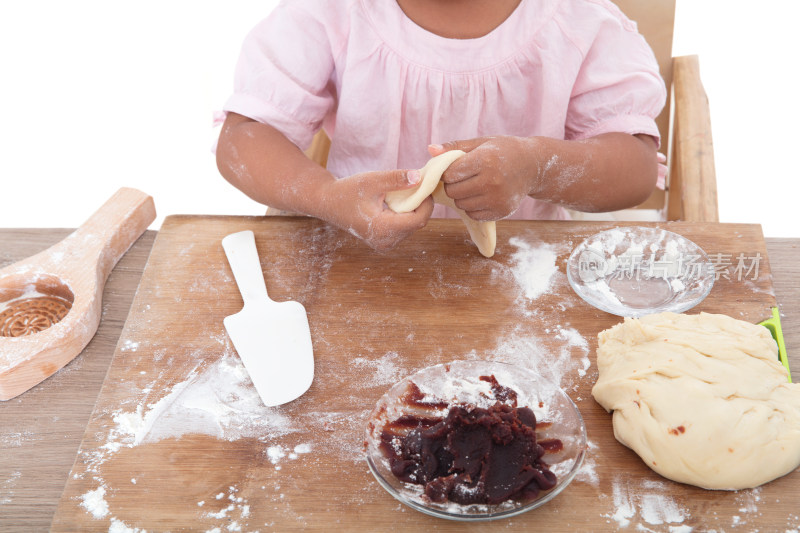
x=472, y=385
x=635, y=271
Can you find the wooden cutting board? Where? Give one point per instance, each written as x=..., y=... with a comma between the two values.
x=179, y=441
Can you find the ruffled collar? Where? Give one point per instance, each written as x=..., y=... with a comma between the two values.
x=426, y=49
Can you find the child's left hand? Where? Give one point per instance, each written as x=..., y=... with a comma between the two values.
x=493, y=178
x=608, y=172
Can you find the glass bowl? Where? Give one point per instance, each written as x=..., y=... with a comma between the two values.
x=459, y=383
x=636, y=271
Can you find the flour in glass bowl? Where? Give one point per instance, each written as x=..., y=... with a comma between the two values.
x=632, y=271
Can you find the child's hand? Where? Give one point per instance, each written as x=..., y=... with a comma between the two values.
x=608, y=172
x=493, y=178
x=358, y=202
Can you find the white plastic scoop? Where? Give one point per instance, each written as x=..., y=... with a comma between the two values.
x=272, y=338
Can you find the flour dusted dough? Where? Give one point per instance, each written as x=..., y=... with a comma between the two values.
x=483, y=234
x=701, y=398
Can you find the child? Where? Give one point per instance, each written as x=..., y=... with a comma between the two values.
x=553, y=100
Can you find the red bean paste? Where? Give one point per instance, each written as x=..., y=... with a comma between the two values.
x=472, y=455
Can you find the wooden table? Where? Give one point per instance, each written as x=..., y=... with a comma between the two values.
x=41, y=431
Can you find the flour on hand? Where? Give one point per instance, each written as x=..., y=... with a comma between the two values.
x=483, y=234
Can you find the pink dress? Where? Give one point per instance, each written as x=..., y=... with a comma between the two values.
x=383, y=88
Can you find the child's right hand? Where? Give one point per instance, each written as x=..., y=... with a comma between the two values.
x=357, y=204
x=257, y=158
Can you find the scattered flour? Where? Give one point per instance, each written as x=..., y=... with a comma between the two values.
x=748, y=500
x=574, y=339
x=7, y=486
x=118, y=526
x=385, y=371
x=565, y=367
x=277, y=453
x=588, y=470
x=237, y=506
x=130, y=346
x=299, y=449
x=218, y=401
x=94, y=501
x=534, y=267
x=649, y=501
x=16, y=439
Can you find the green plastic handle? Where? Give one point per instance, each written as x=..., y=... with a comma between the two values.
x=774, y=326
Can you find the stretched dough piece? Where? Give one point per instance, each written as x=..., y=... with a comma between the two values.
x=483, y=234
x=701, y=398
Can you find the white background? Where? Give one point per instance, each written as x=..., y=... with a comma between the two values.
x=97, y=95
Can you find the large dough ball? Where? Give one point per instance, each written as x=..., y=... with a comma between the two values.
x=701, y=398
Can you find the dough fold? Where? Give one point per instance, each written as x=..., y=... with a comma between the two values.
x=702, y=399
x=483, y=234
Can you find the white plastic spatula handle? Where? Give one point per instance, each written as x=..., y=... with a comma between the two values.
x=273, y=339
x=240, y=248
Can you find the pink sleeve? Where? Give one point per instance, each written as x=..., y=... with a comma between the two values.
x=618, y=88
x=283, y=76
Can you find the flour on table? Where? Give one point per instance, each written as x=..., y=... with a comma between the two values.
x=15, y=439
x=575, y=340
x=118, y=526
x=748, y=500
x=442, y=287
x=587, y=473
x=130, y=346
x=218, y=401
x=299, y=449
x=564, y=367
x=277, y=453
x=534, y=267
x=646, y=502
x=383, y=371
x=94, y=501
x=7, y=486
x=217, y=398
x=238, y=507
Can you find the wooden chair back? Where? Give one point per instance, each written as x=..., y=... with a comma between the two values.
x=685, y=122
